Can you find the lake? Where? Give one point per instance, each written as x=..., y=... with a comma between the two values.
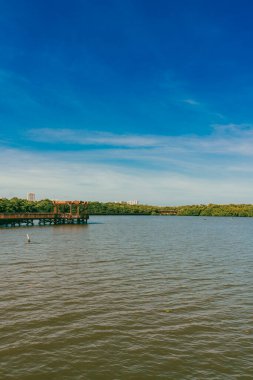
x=128, y=297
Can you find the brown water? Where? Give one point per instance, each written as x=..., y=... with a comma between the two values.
x=128, y=298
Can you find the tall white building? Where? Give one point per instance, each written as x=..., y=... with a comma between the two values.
x=30, y=197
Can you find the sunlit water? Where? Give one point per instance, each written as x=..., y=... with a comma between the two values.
x=128, y=297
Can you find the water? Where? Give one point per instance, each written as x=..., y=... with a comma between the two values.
x=128, y=298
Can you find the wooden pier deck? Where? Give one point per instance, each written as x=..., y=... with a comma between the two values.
x=28, y=219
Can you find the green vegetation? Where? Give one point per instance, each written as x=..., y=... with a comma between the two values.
x=22, y=205
x=15, y=205
x=97, y=208
x=217, y=210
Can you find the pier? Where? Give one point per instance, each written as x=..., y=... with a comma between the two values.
x=168, y=212
x=72, y=215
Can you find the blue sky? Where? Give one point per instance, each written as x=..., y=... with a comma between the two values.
x=119, y=100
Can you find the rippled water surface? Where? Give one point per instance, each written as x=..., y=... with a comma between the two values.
x=128, y=298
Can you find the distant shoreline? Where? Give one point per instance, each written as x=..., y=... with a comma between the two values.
x=17, y=205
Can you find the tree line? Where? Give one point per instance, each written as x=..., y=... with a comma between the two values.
x=17, y=205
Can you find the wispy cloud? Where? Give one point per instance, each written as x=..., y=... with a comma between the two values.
x=192, y=102
x=81, y=137
x=225, y=139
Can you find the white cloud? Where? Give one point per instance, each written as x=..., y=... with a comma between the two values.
x=178, y=179
x=153, y=169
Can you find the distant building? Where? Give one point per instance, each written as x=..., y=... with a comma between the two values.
x=130, y=203
x=30, y=197
x=133, y=203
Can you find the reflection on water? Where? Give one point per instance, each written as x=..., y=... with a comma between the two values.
x=128, y=298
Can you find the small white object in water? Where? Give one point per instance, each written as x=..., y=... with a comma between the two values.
x=28, y=238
